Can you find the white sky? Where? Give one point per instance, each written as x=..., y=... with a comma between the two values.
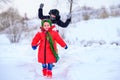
x=31, y=6
x=27, y=6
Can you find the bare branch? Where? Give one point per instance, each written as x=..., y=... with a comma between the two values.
x=3, y=2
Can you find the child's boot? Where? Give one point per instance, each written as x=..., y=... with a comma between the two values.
x=44, y=71
x=49, y=74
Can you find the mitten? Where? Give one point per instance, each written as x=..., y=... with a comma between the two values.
x=66, y=47
x=41, y=5
x=34, y=47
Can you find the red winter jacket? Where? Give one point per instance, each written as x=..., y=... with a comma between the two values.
x=39, y=40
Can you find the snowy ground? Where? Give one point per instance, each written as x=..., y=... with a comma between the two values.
x=96, y=62
x=19, y=62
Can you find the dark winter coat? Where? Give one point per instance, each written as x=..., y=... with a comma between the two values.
x=39, y=40
x=56, y=21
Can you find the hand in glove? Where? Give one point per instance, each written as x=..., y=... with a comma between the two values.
x=66, y=47
x=34, y=47
x=41, y=5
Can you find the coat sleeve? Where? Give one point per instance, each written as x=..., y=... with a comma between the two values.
x=40, y=14
x=59, y=40
x=36, y=39
x=64, y=24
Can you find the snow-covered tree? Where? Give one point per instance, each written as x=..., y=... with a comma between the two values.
x=11, y=20
x=3, y=2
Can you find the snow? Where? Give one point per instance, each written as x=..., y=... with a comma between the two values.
x=100, y=63
x=95, y=62
x=107, y=30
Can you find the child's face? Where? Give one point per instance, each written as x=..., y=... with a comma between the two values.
x=46, y=26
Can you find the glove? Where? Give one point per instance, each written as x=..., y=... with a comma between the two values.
x=66, y=47
x=41, y=5
x=34, y=47
x=69, y=16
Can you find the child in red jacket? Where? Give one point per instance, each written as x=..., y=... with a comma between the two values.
x=47, y=51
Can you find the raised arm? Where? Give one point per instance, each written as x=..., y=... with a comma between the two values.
x=40, y=12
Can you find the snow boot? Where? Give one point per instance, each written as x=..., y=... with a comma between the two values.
x=44, y=71
x=49, y=74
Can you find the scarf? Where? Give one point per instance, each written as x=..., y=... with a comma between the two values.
x=49, y=38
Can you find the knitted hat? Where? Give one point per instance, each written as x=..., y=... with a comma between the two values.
x=46, y=20
x=54, y=12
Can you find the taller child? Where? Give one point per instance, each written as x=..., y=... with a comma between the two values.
x=54, y=17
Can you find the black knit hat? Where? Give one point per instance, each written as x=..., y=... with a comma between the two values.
x=54, y=12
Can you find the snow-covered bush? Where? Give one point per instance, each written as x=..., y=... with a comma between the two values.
x=117, y=42
x=87, y=13
x=92, y=42
x=103, y=13
x=115, y=11
x=11, y=20
x=15, y=32
x=86, y=17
